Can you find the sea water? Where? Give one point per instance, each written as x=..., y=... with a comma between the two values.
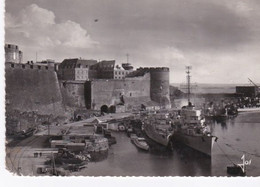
x=236, y=137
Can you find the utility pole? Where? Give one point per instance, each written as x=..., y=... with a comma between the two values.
x=188, y=68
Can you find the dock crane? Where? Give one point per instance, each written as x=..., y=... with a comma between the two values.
x=253, y=83
x=256, y=86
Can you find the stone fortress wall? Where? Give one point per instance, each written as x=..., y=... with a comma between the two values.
x=129, y=92
x=73, y=94
x=33, y=88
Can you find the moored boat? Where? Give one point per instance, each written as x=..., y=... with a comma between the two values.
x=191, y=130
x=141, y=143
x=239, y=169
x=235, y=170
x=158, y=128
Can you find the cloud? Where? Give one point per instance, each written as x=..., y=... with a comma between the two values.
x=219, y=39
x=36, y=27
x=189, y=25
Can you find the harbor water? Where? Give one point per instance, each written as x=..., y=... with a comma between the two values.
x=236, y=137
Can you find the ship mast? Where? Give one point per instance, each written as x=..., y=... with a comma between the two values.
x=127, y=58
x=188, y=68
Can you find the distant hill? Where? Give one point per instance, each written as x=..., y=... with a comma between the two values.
x=200, y=88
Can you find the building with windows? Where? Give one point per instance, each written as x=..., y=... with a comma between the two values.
x=79, y=69
x=104, y=69
x=247, y=91
x=76, y=69
x=121, y=72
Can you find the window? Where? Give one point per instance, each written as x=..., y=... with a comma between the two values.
x=23, y=66
x=46, y=67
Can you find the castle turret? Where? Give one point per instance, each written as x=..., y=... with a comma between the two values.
x=159, y=85
x=12, y=54
x=160, y=91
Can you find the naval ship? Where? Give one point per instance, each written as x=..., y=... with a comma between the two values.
x=158, y=127
x=190, y=128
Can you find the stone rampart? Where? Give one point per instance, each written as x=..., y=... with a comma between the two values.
x=33, y=88
x=73, y=94
x=111, y=92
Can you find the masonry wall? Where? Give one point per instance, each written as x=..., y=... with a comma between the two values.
x=160, y=89
x=131, y=91
x=73, y=94
x=30, y=88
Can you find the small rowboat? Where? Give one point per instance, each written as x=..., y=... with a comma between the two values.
x=139, y=142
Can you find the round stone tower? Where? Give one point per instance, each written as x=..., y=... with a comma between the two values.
x=12, y=54
x=160, y=90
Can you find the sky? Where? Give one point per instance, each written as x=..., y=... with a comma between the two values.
x=219, y=39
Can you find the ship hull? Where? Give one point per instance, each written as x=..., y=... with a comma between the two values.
x=157, y=137
x=202, y=144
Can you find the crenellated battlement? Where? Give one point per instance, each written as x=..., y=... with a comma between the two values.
x=29, y=66
x=149, y=69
